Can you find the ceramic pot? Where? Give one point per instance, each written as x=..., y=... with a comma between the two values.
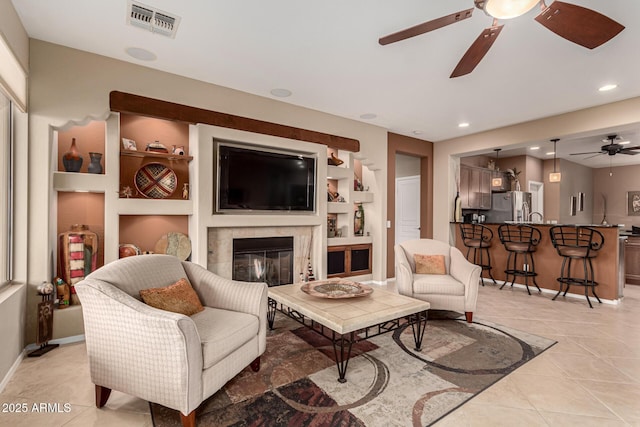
x=95, y=166
x=72, y=160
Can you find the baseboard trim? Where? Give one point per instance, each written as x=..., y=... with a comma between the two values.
x=551, y=291
x=12, y=370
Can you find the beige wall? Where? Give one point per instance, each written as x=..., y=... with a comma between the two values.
x=575, y=178
x=615, y=188
x=447, y=152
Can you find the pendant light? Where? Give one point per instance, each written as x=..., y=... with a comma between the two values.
x=554, y=176
x=497, y=181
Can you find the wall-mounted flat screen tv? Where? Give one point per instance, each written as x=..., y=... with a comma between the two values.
x=255, y=179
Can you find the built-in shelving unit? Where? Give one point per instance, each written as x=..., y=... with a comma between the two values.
x=345, y=187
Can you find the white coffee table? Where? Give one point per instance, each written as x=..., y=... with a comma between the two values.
x=349, y=320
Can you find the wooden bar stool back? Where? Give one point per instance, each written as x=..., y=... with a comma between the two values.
x=577, y=243
x=477, y=239
x=520, y=240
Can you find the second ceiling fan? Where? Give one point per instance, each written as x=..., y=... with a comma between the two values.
x=578, y=24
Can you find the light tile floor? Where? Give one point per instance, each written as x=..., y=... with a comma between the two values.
x=590, y=378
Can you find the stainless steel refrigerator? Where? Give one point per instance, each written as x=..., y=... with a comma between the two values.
x=509, y=206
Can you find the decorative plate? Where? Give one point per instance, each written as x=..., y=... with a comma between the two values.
x=336, y=289
x=176, y=244
x=156, y=181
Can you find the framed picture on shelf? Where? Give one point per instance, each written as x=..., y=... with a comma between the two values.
x=129, y=144
x=633, y=203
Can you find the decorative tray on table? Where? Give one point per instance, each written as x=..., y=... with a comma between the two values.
x=336, y=288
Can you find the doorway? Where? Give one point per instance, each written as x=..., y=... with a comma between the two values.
x=407, y=208
x=419, y=154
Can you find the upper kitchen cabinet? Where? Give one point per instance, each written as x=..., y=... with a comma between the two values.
x=475, y=187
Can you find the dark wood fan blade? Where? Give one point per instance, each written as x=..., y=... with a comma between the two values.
x=594, y=155
x=477, y=51
x=578, y=24
x=588, y=152
x=630, y=150
x=426, y=27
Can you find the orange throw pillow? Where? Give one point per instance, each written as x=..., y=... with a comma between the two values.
x=429, y=264
x=178, y=298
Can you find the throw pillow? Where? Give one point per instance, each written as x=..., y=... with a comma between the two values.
x=178, y=298
x=429, y=264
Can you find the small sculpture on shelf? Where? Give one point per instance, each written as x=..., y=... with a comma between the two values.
x=334, y=161
x=358, y=221
x=156, y=147
x=127, y=192
x=185, y=191
x=177, y=150
x=95, y=166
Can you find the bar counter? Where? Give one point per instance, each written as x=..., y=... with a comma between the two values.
x=548, y=263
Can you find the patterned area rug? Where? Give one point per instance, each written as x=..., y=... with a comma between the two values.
x=388, y=382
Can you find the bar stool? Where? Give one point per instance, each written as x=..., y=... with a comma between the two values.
x=478, y=237
x=519, y=239
x=577, y=242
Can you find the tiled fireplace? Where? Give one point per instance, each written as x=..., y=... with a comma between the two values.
x=276, y=254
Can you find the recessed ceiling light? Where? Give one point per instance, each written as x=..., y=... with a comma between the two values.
x=550, y=153
x=368, y=116
x=534, y=148
x=140, y=53
x=463, y=125
x=281, y=93
x=417, y=132
x=608, y=87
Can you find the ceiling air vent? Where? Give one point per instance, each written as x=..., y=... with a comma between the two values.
x=154, y=20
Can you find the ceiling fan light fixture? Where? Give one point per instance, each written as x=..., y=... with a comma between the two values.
x=507, y=9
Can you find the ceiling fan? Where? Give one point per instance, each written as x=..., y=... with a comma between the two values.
x=612, y=148
x=578, y=24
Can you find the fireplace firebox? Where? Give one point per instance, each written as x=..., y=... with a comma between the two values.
x=263, y=259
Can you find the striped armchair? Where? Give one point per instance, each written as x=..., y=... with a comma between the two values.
x=456, y=290
x=164, y=357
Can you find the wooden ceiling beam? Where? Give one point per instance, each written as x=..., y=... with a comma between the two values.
x=122, y=102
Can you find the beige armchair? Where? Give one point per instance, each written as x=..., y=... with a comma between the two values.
x=164, y=357
x=457, y=290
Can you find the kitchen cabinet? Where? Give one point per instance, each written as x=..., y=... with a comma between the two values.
x=475, y=187
x=632, y=260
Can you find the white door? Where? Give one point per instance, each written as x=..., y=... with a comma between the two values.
x=537, y=199
x=407, y=208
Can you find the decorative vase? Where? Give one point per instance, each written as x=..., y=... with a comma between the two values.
x=358, y=221
x=457, y=208
x=78, y=253
x=72, y=160
x=517, y=185
x=95, y=166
